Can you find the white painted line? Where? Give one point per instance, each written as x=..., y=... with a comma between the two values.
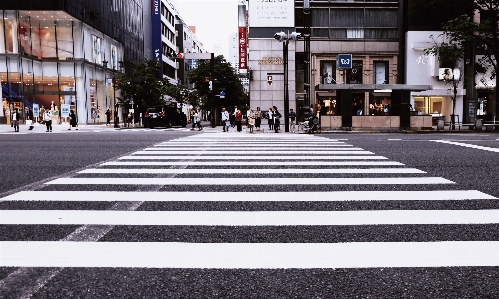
x=394, y=139
x=255, y=158
x=250, y=181
x=485, y=148
x=252, y=152
x=250, y=255
x=256, y=218
x=246, y=147
x=246, y=163
x=252, y=171
x=333, y=196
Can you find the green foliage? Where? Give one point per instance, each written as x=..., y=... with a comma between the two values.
x=224, y=79
x=183, y=94
x=147, y=86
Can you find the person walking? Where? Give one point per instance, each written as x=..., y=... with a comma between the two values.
x=193, y=119
x=225, y=120
x=251, y=120
x=292, y=120
x=269, y=116
x=258, y=118
x=108, y=117
x=72, y=120
x=47, y=118
x=198, y=120
x=239, y=120
x=15, y=120
x=277, y=119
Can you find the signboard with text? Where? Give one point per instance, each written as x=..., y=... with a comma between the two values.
x=65, y=110
x=344, y=61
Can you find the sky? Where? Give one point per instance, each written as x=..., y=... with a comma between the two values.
x=215, y=21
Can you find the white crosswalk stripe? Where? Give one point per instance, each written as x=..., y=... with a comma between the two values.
x=228, y=165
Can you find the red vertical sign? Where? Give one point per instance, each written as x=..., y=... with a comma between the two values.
x=242, y=48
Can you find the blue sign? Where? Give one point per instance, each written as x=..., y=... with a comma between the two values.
x=344, y=61
x=65, y=110
x=36, y=110
x=222, y=95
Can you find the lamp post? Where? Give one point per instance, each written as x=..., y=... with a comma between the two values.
x=284, y=38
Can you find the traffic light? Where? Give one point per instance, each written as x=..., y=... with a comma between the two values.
x=280, y=36
x=269, y=79
x=210, y=85
x=180, y=55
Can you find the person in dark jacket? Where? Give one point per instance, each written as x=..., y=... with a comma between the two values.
x=108, y=117
x=72, y=121
x=15, y=120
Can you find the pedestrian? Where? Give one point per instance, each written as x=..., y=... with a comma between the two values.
x=271, y=121
x=225, y=120
x=239, y=120
x=251, y=120
x=108, y=117
x=72, y=120
x=47, y=118
x=292, y=120
x=277, y=119
x=198, y=120
x=130, y=118
x=193, y=119
x=15, y=120
x=258, y=118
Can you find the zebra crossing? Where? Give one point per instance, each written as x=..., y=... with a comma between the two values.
x=222, y=183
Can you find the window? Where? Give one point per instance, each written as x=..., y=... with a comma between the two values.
x=380, y=72
x=355, y=74
x=328, y=71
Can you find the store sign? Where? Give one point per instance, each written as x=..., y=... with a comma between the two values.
x=156, y=31
x=65, y=110
x=270, y=61
x=36, y=110
x=242, y=49
x=344, y=61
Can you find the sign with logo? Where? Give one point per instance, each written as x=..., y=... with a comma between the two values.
x=156, y=30
x=344, y=61
x=222, y=95
x=36, y=110
x=65, y=110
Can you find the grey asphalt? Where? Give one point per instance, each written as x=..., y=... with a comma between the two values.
x=31, y=159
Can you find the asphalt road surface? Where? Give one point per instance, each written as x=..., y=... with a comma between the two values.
x=179, y=214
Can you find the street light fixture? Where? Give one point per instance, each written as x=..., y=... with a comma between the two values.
x=284, y=38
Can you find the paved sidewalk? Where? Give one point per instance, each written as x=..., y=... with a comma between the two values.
x=38, y=128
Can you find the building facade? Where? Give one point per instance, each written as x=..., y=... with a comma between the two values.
x=63, y=55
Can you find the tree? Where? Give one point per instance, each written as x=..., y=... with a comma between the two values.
x=182, y=94
x=223, y=79
x=147, y=86
x=451, y=52
x=483, y=35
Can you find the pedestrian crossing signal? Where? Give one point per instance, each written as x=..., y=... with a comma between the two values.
x=269, y=79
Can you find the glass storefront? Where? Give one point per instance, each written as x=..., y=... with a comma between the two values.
x=46, y=59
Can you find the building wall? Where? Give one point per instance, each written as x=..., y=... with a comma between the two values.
x=424, y=70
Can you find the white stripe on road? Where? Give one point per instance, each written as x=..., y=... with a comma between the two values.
x=250, y=171
x=250, y=255
x=242, y=144
x=255, y=158
x=256, y=218
x=252, y=152
x=485, y=148
x=246, y=163
x=110, y=196
x=251, y=181
x=245, y=148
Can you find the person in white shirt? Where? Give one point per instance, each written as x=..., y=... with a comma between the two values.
x=225, y=120
x=15, y=120
x=271, y=121
x=47, y=118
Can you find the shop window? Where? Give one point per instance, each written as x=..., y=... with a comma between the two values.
x=358, y=104
x=355, y=74
x=328, y=71
x=329, y=106
x=428, y=105
x=380, y=105
x=380, y=72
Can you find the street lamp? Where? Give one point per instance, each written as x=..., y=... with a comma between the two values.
x=284, y=38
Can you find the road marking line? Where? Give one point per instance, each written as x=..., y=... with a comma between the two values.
x=250, y=181
x=333, y=196
x=254, y=158
x=246, y=163
x=251, y=171
x=485, y=148
x=252, y=152
x=250, y=255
